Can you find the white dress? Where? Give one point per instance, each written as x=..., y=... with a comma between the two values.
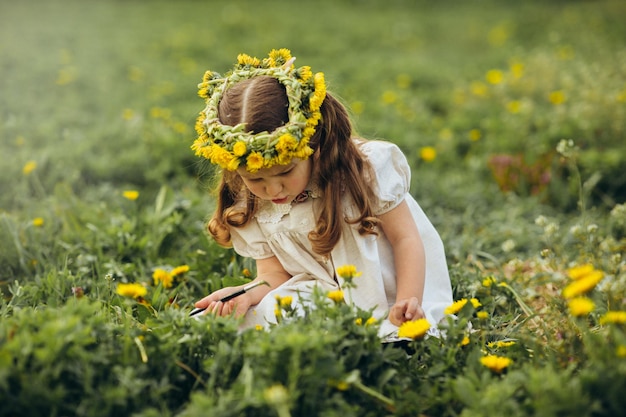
x=282, y=230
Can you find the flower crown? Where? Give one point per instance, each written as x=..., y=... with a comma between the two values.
x=231, y=146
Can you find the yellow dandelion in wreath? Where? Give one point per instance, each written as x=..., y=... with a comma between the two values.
x=255, y=162
x=239, y=148
x=278, y=57
x=245, y=59
x=414, y=329
x=305, y=73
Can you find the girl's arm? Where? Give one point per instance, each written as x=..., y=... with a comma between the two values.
x=269, y=270
x=409, y=259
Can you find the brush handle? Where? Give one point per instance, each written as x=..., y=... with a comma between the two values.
x=230, y=296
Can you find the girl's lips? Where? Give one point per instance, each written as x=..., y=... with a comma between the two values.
x=280, y=200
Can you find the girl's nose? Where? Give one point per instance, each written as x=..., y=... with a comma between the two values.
x=274, y=189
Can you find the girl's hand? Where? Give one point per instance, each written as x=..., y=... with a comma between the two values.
x=405, y=310
x=238, y=305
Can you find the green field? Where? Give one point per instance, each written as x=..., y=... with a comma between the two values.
x=512, y=115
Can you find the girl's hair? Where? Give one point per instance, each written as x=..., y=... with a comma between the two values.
x=339, y=167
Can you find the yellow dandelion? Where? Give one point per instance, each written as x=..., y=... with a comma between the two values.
x=258, y=327
x=286, y=143
x=494, y=76
x=475, y=302
x=348, y=271
x=358, y=321
x=132, y=290
x=357, y=107
x=207, y=76
x=130, y=194
x=565, y=53
x=580, y=271
x=336, y=296
x=179, y=270
x=483, y=315
x=38, y=221
x=580, y=306
x=501, y=344
x=498, y=35
x=465, y=341
x=304, y=73
x=29, y=167
x=161, y=276
x=517, y=70
x=613, y=317
x=583, y=285
x=370, y=321
x=414, y=329
x=479, y=89
x=621, y=351
x=286, y=301
x=475, y=135
x=239, y=148
x=245, y=59
x=456, y=306
x=128, y=114
x=278, y=57
x=557, y=97
x=514, y=106
x=489, y=281
x=428, y=153
x=446, y=134
x=496, y=363
x=255, y=161
x=389, y=97
x=403, y=81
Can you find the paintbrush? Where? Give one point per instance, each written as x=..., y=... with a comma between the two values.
x=244, y=290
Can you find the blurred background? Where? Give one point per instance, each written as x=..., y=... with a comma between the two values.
x=100, y=97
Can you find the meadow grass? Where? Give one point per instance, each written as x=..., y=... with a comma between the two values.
x=512, y=116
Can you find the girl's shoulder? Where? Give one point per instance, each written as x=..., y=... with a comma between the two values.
x=382, y=154
x=391, y=171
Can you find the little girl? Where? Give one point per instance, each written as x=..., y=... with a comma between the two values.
x=302, y=196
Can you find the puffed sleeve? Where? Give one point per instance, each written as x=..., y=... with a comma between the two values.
x=392, y=172
x=249, y=241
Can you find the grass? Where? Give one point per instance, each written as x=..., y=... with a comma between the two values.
x=99, y=98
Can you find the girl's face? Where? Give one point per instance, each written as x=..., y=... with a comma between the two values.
x=279, y=184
